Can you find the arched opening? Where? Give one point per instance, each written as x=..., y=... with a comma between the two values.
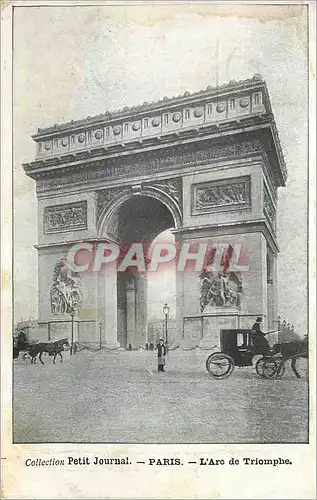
x=269, y=268
x=138, y=219
x=162, y=290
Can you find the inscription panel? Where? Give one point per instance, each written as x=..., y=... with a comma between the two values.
x=68, y=217
x=221, y=195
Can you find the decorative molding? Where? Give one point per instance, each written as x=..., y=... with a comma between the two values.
x=106, y=197
x=172, y=187
x=162, y=122
x=108, y=201
x=149, y=163
x=269, y=208
x=136, y=126
x=99, y=134
x=68, y=217
x=244, y=102
x=177, y=117
x=229, y=106
x=198, y=112
x=221, y=106
x=221, y=195
x=156, y=122
x=233, y=85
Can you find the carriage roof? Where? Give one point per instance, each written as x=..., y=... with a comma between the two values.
x=229, y=337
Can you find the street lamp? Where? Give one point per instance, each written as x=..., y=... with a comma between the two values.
x=100, y=330
x=166, y=310
x=72, y=313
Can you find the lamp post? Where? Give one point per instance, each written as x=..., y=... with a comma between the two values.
x=166, y=310
x=100, y=330
x=72, y=313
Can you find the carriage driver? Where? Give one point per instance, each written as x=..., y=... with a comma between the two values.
x=22, y=340
x=260, y=343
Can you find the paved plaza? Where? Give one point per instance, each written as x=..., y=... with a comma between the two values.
x=118, y=396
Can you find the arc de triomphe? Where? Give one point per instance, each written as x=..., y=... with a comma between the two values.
x=207, y=164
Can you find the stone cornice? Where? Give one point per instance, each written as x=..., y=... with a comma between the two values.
x=225, y=228
x=110, y=164
x=247, y=226
x=186, y=99
x=144, y=166
x=67, y=243
x=244, y=124
x=177, y=171
x=236, y=108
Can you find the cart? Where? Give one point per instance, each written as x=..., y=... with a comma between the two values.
x=237, y=349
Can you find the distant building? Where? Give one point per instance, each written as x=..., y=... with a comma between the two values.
x=156, y=330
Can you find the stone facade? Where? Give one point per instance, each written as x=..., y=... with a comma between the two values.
x=208, y=164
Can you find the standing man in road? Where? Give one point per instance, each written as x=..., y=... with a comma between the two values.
x=161, y=353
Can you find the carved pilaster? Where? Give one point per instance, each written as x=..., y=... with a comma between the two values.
x=269, y=208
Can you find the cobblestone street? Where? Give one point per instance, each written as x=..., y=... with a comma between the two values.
x=119, y=397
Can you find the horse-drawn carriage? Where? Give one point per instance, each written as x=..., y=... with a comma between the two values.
x=239, y=349
x=21, y=346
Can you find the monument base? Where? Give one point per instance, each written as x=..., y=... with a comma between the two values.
x=111, y=345
x=214, y=320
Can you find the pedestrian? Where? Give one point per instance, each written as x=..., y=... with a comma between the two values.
x=161, y=353
x=261, y=345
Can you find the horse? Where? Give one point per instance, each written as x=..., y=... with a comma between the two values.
x=292, y=350
x=52, y=348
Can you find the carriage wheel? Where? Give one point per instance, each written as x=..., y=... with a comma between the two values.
x=219, y=365
x=267, y=367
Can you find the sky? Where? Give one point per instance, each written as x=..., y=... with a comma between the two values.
x=73, y=62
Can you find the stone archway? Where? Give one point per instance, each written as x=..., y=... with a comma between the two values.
x=134, y=218
x=110, y=202
x=213, y=159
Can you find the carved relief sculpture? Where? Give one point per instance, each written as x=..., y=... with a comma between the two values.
x=66, y=292
x=221, y=195
x=144, y=164
x=105, y=196
x=223, y=288
x=220, y=290
x=70, y=217
x=172, y=187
